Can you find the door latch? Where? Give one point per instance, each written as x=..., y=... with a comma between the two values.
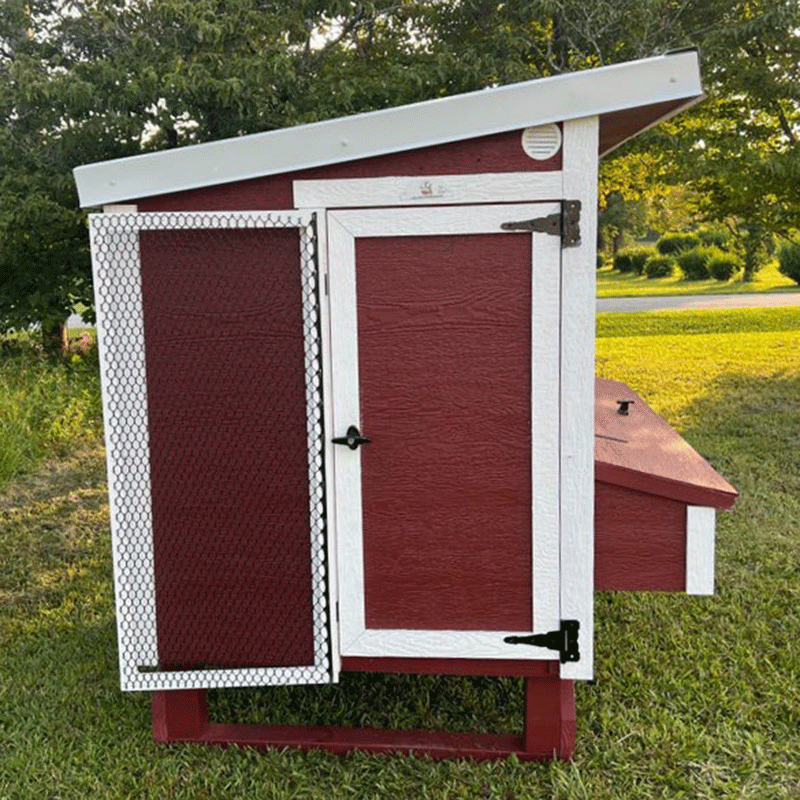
x=353, y=438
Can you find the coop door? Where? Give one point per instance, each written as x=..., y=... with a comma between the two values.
x=445, y=348
x=210, y=331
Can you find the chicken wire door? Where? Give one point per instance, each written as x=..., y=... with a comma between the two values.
x=211, y=355
x=446, y=357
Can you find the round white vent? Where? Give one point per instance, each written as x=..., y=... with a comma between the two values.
x=541, y=142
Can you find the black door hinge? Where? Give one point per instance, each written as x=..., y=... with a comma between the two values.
x=566, y=224
x=565, y=640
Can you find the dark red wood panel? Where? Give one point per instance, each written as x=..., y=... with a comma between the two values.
x=451, y=666
x=445, y=374
x=623, y=124
x=227, y=429
x=639, y=539
x=500, y=152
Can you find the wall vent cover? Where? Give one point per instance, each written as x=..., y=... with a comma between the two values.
x=541, y=142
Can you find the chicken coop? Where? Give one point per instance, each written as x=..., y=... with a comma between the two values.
x=351, y=415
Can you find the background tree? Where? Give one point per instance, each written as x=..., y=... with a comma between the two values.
x=738, y=151
x=90, y=80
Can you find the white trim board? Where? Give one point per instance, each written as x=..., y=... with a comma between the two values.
x=426, y=190
x=700, y=524
x=600, y=91
x=577, y=393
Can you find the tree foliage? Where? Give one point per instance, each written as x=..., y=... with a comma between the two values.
x=737, y=153
x=91, y=80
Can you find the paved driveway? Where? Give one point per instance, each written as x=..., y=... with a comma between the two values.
x=698, y=301
x=660, y=303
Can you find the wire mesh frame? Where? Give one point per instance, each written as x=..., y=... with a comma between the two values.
x=116, y=266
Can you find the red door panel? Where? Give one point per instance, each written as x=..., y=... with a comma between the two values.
x=444, y=333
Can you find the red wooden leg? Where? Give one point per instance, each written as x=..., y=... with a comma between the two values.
x=549, y=717
x=179, y=714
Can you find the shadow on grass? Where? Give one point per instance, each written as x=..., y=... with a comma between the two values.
x=749, y=429
x=371, y=700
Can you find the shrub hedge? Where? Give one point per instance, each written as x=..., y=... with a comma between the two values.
x=639, y=256
x=632, y=259
x=622, y=262
x=694, y=262
x=659, y=267
x=789, y=260
x=723, y=266
x=718, y=237
x=671, y=244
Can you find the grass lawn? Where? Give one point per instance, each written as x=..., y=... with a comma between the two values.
x=695, y=697
x=617, y=284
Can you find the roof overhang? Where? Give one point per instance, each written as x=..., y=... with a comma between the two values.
x=627, y=97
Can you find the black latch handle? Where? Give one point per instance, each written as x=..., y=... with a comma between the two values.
x=353, y=438
x=624, y=407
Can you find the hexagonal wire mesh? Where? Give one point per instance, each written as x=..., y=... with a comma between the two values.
x=217, y=508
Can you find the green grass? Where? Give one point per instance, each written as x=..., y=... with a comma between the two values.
x=695, y=697
x=616, y=284
x=45, y=407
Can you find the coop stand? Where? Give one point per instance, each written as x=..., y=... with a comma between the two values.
x=549, y=720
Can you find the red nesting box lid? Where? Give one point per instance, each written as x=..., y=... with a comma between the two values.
x=640, y=450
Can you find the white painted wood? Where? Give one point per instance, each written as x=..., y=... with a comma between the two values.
x=344, y=227
x=545, y=379
x=700, y=525
x=604, y=90
x=451, y=220
x=345, y=412
x=120, y=332
x=577, y=393
x=130, y=208
x=445, y=644
x=428, y=190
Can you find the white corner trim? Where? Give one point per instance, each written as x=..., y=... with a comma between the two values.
x=557, y=98
x=428, y=190
x=700, y=527
x=578, y=289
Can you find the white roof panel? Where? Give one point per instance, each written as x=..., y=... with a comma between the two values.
x=670, y=80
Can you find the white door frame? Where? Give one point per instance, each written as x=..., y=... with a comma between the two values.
x=577, y=180
x=344, y=227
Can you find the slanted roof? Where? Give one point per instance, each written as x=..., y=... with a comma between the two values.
x=627, y=97
x=642, y=451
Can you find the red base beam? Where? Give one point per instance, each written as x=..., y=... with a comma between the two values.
x=549, y=732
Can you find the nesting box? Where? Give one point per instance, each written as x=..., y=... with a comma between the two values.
x=349, y=400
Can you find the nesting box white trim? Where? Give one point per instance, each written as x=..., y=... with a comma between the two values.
x=700, y=527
